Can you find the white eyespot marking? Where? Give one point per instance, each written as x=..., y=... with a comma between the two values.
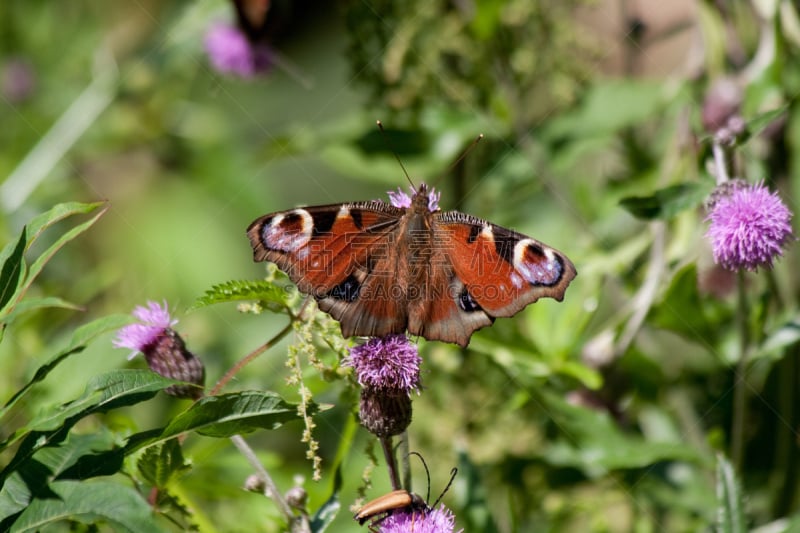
x=516, y=281
x=486, y=233
x=288, y=232
x=343, y=213
x=536, y=264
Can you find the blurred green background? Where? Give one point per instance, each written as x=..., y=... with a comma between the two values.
x=605, y=412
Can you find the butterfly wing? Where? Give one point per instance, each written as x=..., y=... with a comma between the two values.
x=491, y=272
x=343, y=256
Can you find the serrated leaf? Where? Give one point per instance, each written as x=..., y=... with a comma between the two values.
x=668, y=202
x=80, y=338
x=234, y=414
x=96, y=502
x=158, y=464
x=730, y=507
x=237, y=290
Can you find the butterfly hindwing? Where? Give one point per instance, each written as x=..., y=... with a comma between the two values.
x=380, y=269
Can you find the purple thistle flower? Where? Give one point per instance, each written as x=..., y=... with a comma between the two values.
x=231, y=52
x=386, y=363
x=155, y=321
x=749, y=228
x=163, y=349
x=439, y=520
x=401, y=199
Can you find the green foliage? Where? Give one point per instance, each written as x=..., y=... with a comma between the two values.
x=271, y=295
x=659, y=395
x=730, y=510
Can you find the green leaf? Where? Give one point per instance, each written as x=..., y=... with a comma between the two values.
x=110, y=390
x=42, y=260
x=668, y=202
x=12, y=273
x=32, y=304
x=681, y=308
x=328, y=510
x=760, y=122
x=594, y=443
x=104, y=392
x=234, y=414
x=14, y=279
x=57, y=213
x=98, y=502
x=159, y=464
x=274, y=295
x=730, y=507
x=80, y=338
x=609, y=107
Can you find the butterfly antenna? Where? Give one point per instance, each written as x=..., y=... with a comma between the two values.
x=427, y=474
x=467, y=150
x=453, y=473
x=386, y=140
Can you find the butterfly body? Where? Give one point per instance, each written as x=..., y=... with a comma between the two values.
x=380, y=268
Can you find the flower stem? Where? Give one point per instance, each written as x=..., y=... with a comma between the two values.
x=249, y=357
x=740, y=383
x=271, y=489
x=391, y=462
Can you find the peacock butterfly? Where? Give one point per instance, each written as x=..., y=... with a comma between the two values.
x=383, y=268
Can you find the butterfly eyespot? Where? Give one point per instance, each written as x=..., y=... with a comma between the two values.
x=537, y=266
x=467, y=303
x=288, y=232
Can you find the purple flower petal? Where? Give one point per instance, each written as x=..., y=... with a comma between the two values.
x=390, y=362
x=749, y=228
x=230, y=52
x=154, y=320
x=439, y=520
x=401, y=199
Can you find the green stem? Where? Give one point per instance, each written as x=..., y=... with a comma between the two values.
x=391, y=463
x=740, y=383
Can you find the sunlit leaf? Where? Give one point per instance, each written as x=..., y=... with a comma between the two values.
x=95, y=502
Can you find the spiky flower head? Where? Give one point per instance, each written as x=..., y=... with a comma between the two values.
x=401, y=199
x=154, y=321
x=387, y=368
x=749, y=227
x=388, y=363
x=231, y=52
x=439, y=520
x=163, y=349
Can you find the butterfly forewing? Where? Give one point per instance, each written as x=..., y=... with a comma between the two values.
x=502, y=270
x=380, y=269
